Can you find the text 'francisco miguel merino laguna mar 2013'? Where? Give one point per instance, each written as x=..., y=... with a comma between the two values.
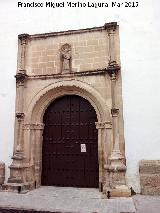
x=77, y=4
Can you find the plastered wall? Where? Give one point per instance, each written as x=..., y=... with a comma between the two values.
x=140, y=50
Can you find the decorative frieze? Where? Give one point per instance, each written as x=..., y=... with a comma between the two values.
x=103, y=125
x=38, y=126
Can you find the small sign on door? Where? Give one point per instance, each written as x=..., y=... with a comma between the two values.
x=83, y=147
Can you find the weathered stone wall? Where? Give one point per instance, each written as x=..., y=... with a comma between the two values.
x=150, y=177
x=43, y=55
x=2, y=172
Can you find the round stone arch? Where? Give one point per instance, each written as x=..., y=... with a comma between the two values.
x=48, y=94
x=34, y=119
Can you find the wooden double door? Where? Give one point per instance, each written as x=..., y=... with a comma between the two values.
x=70, y=144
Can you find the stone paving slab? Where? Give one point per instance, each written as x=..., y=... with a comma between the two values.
x=3, y=210
x=147, y=204
x=66, y=199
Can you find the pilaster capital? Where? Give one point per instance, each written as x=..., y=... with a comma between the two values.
x=113, y=69
x=20, y=116
x=115, y=112
x=37, y=126
x=104, y=125
x=21, y=77
x=110, y=27
x=23, y=38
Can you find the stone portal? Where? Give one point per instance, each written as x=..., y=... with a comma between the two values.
x=84, y=63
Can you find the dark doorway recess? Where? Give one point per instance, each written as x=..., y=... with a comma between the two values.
x=70, y=144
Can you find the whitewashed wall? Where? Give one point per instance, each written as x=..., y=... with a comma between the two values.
x=140, y=60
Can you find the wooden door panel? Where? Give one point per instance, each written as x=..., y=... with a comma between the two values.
x=69, y=122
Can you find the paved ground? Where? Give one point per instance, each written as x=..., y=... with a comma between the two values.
x=77, y=200
x=147, y=204
x=64, y=199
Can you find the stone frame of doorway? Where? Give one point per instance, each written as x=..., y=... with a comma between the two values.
x=25, y=172
x=34, y=122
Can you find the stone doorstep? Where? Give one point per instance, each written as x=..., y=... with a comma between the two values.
x=114, y=193
x=14, y=187
x=20, y=210
x=42, y=209
x=33, y=211
x=10, y=187
x=10, y=209
x=15, y=210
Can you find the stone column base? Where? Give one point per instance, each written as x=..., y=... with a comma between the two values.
x=116, y=185
x=119, y=191
x=18, y=187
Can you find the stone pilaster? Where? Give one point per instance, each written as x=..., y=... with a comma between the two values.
x=116, y=168
x=111, y=29
x=104, y=132
x=23, y=41
x=17, y=167
x=34, y=154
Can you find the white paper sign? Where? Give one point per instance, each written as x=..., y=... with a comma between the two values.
x=83, y=147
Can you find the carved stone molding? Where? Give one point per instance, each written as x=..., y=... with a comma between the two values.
x=21, y=77
x=103, y=125
x=38, y=126
x=115, y=112
x=113, y=69
x=70, y=75
x=20, y=116
x=18, y=155
x=75, y=87
x=66, y=58
x=24, y=38
x=110, y=26
x=112, y=168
